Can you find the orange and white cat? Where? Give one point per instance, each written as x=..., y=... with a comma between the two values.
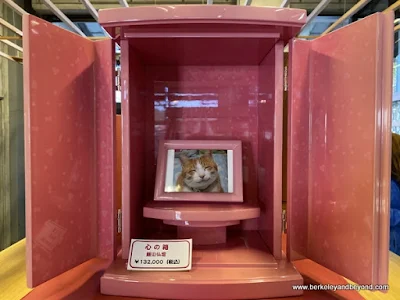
x=199, y=175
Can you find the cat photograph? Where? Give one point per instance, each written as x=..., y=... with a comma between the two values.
x=201, y=171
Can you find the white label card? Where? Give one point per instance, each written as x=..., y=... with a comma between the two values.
x=160, y=255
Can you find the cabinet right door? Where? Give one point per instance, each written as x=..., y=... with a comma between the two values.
x=339, y=149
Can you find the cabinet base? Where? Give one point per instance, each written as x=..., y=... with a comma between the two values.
x=243, y=268
x=203, y=283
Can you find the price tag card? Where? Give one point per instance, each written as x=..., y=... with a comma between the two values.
x=160, y=255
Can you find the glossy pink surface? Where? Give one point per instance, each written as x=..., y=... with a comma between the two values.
x=197, y=51
x=203, y=235
x=203, y=81
x=190, y=45
x=156, y=32
x=200, y=72
x=186, y=102
x=338, y=175
x=177, y=100
x=105, y=149
x=249, y=247
x=134, y=146
x=216, y=269
x=178, y=211
x=184, y=14
x=68, y=149
x=339, y=149
x=235, y=196
x=270, y=131
x=211, y=224
x=298, y=150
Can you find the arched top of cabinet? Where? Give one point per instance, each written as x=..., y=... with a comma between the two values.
x=202, y=14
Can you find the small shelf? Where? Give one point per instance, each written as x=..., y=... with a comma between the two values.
x=200, y=212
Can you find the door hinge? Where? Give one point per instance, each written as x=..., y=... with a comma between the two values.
x=119, y=220
x=284, y=221
x=118, y=79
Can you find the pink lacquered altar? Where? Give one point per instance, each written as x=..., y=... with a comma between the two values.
x=210, y=73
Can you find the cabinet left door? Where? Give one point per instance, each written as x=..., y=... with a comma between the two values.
x=69, y=149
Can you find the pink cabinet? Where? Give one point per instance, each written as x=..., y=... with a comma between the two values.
x=201, y=73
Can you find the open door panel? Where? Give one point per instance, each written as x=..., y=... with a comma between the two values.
x=339, y=146
x=69, y=149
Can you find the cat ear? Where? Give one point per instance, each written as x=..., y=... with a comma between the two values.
x=183, y=158
x=208, y=153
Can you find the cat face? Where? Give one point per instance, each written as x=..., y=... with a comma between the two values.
x=199, y=173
